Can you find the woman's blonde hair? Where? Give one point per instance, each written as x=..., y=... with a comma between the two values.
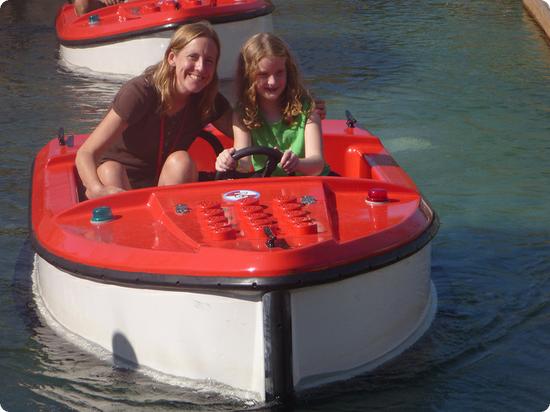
x=164, y=77
x=295, y=97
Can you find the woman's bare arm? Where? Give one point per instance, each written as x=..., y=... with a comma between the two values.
x=110, y=128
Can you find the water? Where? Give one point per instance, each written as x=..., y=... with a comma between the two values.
x=459, y=91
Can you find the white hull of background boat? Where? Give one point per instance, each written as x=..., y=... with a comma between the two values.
x=130, y=57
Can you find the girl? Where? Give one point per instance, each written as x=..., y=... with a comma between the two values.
x=274, y=109
x=143, y=139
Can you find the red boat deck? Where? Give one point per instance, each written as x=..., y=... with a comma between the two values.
x=259, y=232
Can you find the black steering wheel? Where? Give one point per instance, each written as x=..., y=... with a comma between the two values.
x=273, y=158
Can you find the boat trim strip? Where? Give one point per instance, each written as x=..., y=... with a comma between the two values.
x=265, y=284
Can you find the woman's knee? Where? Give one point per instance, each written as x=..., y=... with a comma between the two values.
x=81, y=6
x=112, y=173
x=179, y=167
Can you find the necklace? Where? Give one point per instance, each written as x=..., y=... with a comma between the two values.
x=160, y=154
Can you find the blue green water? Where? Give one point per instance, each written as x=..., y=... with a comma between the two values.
x=459, y=91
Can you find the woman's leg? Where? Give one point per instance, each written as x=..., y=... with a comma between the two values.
x=178, y=168
x=84, y=6
x=112, y=173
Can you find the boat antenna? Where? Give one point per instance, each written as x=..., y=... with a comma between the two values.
x=351, y=120
x=61, y=136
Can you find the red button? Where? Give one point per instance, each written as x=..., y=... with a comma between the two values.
x=248, y=210
x=300, y=220
x=216, y=220
x=222, y=233
x=208, y=204
x=377, y=195
x=293, y=214
x=284, y=199
x=248, y=201
x=305, y=228
x=291, y=206
x=256, y=216
x=212, y=212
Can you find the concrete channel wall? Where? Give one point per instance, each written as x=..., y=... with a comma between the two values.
x=540, y=10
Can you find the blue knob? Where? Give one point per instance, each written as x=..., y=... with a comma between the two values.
x=101, y=214
x=93, y=19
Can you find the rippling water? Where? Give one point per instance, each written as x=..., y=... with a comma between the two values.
x=459, y=91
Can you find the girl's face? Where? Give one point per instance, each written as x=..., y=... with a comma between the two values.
x=270, y=81
x=194, y=65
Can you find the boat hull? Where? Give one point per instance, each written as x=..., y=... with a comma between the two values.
x=268, y=345
x=132, y=55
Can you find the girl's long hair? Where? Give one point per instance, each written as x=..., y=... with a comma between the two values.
x=295, y=96
x=163, y=74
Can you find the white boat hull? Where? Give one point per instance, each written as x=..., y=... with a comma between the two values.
x=131, y=56
x=335, y=330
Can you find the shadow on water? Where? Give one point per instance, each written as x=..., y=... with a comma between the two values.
x=124, y=354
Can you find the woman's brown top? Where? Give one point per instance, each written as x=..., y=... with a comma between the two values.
x=138, y=103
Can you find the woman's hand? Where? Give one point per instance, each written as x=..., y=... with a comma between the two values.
x=289, y=162
x=225, y=160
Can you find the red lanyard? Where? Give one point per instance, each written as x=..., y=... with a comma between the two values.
x=161, y=144
x=161, y=147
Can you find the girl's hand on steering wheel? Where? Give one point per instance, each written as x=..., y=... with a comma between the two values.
x=289, y=162
x=225, y=160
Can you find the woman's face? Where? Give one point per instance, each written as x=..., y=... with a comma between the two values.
x=270, y=79
x=194, y=65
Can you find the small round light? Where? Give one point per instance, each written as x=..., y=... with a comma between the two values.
x=101, y=214
x=93, y=19
x=377, y=195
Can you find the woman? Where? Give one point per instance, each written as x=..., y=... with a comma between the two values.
x=154, y=118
